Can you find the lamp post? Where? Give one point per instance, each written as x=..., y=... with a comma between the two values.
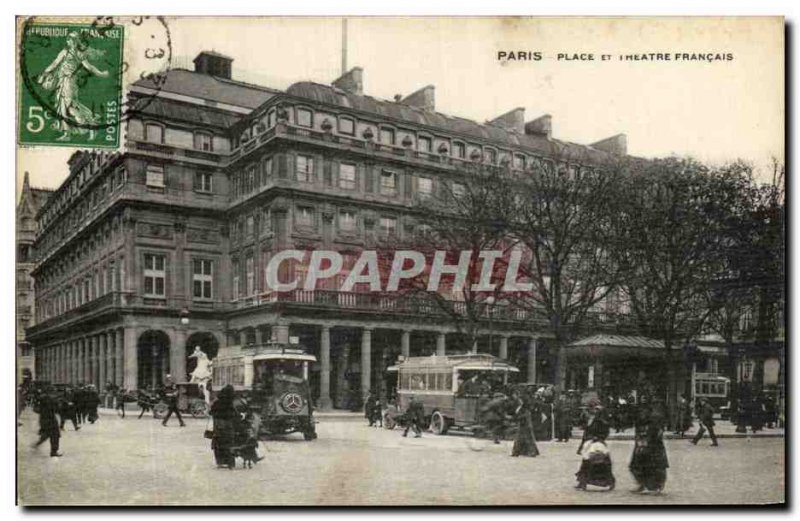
x=490, y=303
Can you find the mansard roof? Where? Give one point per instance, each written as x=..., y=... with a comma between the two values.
x=537, y=143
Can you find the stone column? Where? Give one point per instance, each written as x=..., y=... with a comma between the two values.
x=119, y=365
x=474, y=349
x=532, y=360
x=405, y=344
x=111, y=357
x=325, y=368
x=366, y=361
x=101, y=361
x=504, y=347
x=177, y=359
x=94, y=346
x=441, y=344
x=131, y=363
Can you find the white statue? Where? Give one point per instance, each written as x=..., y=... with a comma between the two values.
x=202, y=372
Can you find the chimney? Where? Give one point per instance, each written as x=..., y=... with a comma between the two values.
x=511, y=120
x=351, y=81
x=541, y=126
x=424, y=98
x=617, y=145
x=213, y=64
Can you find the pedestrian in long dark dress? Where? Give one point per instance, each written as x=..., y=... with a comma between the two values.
x=48, y=424
x=225, y=417
x=525, y=442
x=595, y=466
x=563, y=414
x=649, y=462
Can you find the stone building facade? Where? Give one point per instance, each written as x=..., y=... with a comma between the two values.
x=147, y=253
x=30, y=201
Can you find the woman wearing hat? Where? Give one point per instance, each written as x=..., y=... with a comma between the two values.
x=224, y=413
x=649, y=462
x=595, y=466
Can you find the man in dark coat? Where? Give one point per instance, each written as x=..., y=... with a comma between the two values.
x=415, y=416
x=91, y=403
x=705, y=415
x=493, y=416
x=79, y=397
x=372, y=409
x=66, y=409
x=171, y=397
x=48, y=424
x=563, y=413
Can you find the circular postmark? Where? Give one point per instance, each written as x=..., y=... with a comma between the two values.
x=73, y=74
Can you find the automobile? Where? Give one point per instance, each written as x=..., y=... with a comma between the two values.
x=272, y=380
x=440, y=383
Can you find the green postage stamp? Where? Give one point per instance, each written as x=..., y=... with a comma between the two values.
x=70, y=94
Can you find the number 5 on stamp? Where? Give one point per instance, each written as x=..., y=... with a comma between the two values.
x=71, y=88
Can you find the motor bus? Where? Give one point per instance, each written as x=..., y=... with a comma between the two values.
x=716, y=389
x=442, y=384
x=272, y=379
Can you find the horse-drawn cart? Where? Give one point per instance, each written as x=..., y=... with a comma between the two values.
x=190, y=401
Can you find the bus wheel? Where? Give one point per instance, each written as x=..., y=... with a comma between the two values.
x=438, y=423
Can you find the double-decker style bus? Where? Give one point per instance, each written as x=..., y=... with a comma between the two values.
x=451, y=388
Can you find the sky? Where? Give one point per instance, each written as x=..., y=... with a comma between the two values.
x=715, y=111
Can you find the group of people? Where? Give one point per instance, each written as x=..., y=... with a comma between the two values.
x=57, y=406
x=235, y=431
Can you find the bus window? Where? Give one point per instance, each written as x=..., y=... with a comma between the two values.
x=417, y=382
x=404, y=381
x=448, y=381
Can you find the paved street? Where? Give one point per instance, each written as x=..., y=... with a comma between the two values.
x=139, y=462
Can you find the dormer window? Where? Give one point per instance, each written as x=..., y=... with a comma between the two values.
x=424, y=144
x=304, y=118
x=154, y=133
x=347, y=126
x=459, y=150
x=519, y=161
x=271, y=118
x=203, y=141
x=387, y=136
x=490, y=156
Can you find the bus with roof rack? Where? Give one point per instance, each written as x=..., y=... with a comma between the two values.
x=452, y=388
x=271, y=383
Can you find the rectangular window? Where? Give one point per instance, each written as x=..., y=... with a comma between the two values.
x=459, y=190
x=250, y=226
x=154, y=275
x=347, y=221
x=236, y=289
x=251, y=274
x=266, y=169
x=459, y=150
x=424, y=144
x=387, y=136
x=425, y=186
x=204, y=182
x=519, y=161
x=266, y=220
x=154, y=176
x=203, y=141
x=202, y=279
x=491, y=156
x=154, y=133
x=271, y=118
x=347, y=126
x=304, y=117
x=388, y=226
x=305, y=168
x=305, y=216
x=388, y=182
x=347, y=176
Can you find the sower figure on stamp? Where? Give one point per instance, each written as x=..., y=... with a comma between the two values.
x=171, y=397
x=62, y=77
x=48, y=423
x=705, y=415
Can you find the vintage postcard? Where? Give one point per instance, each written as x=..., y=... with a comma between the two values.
x=400, y=261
